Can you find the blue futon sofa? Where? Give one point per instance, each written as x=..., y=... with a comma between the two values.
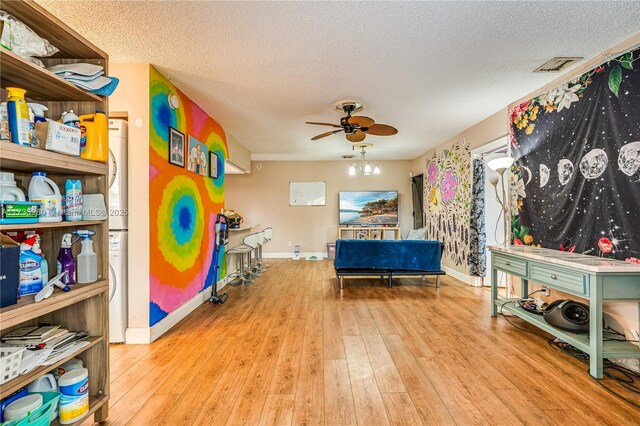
x=388, y=258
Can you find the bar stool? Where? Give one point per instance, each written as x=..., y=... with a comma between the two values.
x=241, y=276
x=268, y=235
x=251, y=241
x=260, y=267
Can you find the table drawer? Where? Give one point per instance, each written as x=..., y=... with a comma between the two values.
x=510, y=265
x=562, y=279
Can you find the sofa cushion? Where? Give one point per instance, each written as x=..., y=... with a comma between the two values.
x=388, y=255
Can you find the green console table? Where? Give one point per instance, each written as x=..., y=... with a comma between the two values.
x=594, y=278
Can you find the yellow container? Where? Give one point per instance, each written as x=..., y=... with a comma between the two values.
x=96, y=128
x=18, y=113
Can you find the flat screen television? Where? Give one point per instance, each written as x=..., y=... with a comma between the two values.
x=368, y=207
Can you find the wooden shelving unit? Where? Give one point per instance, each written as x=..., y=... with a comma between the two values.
x=86, y=306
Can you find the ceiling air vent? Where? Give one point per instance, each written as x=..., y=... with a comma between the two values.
x=557, y=64
x=348, y=156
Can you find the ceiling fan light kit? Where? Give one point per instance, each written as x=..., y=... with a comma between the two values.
x=365, y=168
x=356, y=127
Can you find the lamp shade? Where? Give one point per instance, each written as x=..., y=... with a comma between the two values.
x=376, y=170
x=352, y=170
x=500, y=163
x=367, y=169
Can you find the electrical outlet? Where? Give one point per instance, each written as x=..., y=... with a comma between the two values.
x=546, y=291
x=289, y=244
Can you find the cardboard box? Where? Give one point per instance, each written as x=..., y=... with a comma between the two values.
x=9, y=271
x=59, y=137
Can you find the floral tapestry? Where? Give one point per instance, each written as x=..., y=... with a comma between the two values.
x=576, y=183
x=447, y=195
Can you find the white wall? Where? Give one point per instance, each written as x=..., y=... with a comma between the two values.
x=262, y=197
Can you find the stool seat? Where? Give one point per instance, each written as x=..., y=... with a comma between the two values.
x=239, y=249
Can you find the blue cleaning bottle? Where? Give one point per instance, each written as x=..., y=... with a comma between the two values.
x=30, y=269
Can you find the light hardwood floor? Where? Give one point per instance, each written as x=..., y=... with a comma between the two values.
x=293, y=349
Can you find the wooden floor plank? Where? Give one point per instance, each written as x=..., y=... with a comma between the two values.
x=295, y=349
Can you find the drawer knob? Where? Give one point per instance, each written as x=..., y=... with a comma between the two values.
x=507, y=263
x=554, y=277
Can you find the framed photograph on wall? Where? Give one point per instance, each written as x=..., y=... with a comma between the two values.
x=176, y=147
x=213, y=165
x=197, y=159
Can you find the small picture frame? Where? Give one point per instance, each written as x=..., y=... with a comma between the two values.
x=213, y=165
x=176, y=147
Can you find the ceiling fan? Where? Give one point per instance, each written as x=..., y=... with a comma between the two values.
x=355, y=127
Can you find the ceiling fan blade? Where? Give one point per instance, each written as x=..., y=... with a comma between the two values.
x=323, y=124
x=357, y=136
x=361, y=121
x=381, y=130
x=324, y=135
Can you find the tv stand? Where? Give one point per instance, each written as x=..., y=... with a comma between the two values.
x=368, y=232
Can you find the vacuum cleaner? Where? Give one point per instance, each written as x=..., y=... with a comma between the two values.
x=221, y=239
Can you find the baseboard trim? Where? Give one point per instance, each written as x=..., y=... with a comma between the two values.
x=461, y=276
x=145, y=335
x=137, y=336
x=289, y=255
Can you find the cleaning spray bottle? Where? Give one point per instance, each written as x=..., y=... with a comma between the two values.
x=30, y=271
x=87, y=259
x=44, y=265
x=66, y=262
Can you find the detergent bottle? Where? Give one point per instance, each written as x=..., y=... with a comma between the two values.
x=87, y=259
x=95, y=128
x=66, y=263
x=44, y=265
x=45, y=191
x=30, y=268
x=18, y=113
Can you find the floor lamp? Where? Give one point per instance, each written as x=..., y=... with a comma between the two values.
x=501, y=165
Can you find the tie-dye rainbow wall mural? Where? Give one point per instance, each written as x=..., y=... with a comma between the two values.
x=182, y=204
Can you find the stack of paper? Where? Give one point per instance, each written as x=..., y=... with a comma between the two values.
x=89, y=77
x=48, y=344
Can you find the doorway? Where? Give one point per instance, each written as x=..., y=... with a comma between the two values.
x=494, y=229
x=417, y=185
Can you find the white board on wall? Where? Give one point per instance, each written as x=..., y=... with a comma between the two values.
x=307, y=194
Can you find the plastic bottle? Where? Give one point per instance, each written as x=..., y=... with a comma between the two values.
x=96, y=128
x=44, y=265
x=18, y=114
x=44, y=190
x=66, y=263
x=30, y=269
x=9, y=191
x=71, y=119
x=87, y=259
x=5, y=135
x=73, y=200
x=38, y=117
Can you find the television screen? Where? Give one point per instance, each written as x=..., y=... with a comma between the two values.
x=368, y=207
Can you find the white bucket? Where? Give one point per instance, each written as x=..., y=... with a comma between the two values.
x=44, y=190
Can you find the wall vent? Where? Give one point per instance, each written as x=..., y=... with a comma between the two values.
x=558, y=64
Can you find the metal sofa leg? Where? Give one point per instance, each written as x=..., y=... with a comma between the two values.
x=390, y=281
x=341, y=282
x=437, y=281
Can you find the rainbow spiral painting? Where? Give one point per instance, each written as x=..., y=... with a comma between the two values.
x=182, y=204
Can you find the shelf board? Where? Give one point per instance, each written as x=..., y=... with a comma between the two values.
x=59, y=34
x=27, y=308
x=95, y=403
x=14, y=157
x=40, y=84
x=46, y=225
x=611, y=349
x=24, y=379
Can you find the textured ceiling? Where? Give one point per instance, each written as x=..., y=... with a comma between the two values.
x=431, y=69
